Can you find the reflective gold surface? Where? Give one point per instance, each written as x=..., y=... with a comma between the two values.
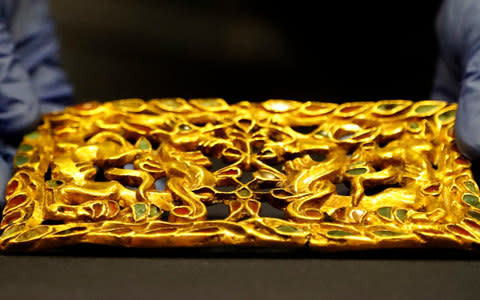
x=358, y=175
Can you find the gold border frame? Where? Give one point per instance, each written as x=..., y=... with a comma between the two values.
x=448, y=215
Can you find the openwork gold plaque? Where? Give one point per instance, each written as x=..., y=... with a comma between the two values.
x=358, y=175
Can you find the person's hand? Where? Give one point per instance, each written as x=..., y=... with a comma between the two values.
x=458, y=69
x=31, y=80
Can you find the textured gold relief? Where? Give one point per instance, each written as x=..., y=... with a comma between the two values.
x=358, y=175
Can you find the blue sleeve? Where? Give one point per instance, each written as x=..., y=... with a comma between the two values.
x=31, y=79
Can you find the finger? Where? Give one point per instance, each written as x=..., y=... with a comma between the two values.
x=467, y=124
x=37, y=49
x=6, y=158
x=5, y=170
x=446, y=84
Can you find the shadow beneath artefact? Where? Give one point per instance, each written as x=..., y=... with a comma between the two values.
x=236, y=252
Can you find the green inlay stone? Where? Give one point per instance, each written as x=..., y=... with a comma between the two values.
x=33, y=234
x=414, y=125
x=387, y=233
x=66, y=231
x=244, y=192
x=54, y=183
x=171, y=103
x=210, y=103
x=471, y=200
x=20, y=160
x=184, y=127
x=317, y=157
x=385, y=212
x=447, y=115
x=154, y=211
x=12, y=229
x=471, y=186
x=139, y=209
x=25, y=147
x=287, y=228
x=144, y=144
x=71, y=230
x=357, y=171
x=340, y=233
x=387, y=106
x=322, y=133
x=401, y=213
x=33, y=135
x=474, y=214
x=425, y=108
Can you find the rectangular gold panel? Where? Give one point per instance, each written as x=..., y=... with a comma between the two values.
x=132, y=173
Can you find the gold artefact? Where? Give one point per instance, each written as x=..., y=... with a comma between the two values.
x=358, y=175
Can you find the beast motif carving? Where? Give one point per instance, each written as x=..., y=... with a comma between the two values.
x=145, y=174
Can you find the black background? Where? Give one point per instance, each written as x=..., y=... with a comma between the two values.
x=248, y=50
x=244, y=50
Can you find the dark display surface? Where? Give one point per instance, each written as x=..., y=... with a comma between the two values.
x=239, y=274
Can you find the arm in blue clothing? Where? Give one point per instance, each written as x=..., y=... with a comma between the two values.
x=31, y=79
